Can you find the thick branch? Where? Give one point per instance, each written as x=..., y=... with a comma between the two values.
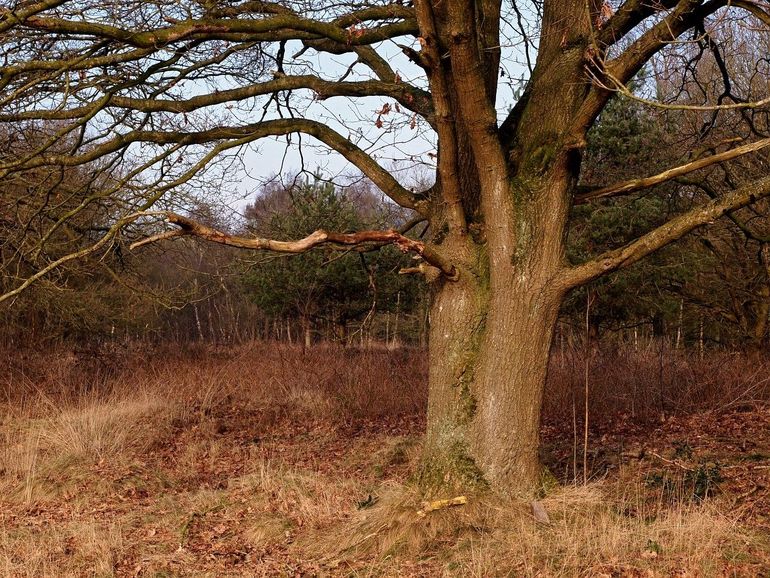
x=754, y=9
x=622, y=68
x=378, y=175
x=292, y=26
x=10, y=18
x=663, y=235
x=629, y=15
x=670, y=174
x=407, y=95
x=742, y=226
x=686, y=14
x=476, y=106
x=315, y=239
x=445, y=116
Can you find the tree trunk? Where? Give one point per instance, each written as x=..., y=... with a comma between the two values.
x=340, y=332
x=506, y=192
x=490, y=337
x=759, y=318
x=307, y=330
x=762, y=313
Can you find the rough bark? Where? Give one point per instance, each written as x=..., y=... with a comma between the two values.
x=491, y=331
x=489, y=341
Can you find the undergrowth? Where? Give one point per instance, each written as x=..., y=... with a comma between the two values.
x=269, y=460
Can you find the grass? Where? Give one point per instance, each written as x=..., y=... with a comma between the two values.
x=64, y=548
x=268, y=461
x=589, y=533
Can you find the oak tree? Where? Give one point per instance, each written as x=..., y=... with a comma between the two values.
x=167, y=96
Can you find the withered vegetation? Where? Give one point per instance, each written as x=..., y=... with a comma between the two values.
x=267, y=460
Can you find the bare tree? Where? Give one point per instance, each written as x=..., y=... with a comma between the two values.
x=170, y=95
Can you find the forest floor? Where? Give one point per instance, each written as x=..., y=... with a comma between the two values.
x=224, y=465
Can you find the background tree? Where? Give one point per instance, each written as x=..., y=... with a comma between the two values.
x=732, y=287
x=624, y=141
x=326, y=287
x=48, y=212
x=40, y=222
x=176, y=93
x=720, y=270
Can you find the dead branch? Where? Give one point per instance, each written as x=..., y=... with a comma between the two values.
x=320, y=237
x=428, y=507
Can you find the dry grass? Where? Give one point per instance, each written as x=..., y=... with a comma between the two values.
x=58, y=411
x=652, y=380
x=328, y=382
x=45, y=453
x=270, y=461
x=590, y=533
x=102, y=430
x=55, y=550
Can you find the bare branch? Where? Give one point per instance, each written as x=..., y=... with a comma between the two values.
x=284, y=26
x=379, y=176
x=670, y=174
x=10, y=18
x=754, y=9
x=742, y=226
x=663, y=235
x=684, y=16
x=617, y=86
x=108, y=237
x=320, y=237
x=159, y=237
x=410, y=97
x=629, y=15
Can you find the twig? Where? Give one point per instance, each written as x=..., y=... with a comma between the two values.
x=440, y=505
x=672, y=462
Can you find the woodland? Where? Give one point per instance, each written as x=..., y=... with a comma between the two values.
x=443, y=287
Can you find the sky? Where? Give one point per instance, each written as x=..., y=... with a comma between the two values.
x=407, y=150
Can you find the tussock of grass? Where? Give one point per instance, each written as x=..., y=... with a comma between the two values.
x=43, y=456
x=589, y=534
x=90, y=547
x=103, y=430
